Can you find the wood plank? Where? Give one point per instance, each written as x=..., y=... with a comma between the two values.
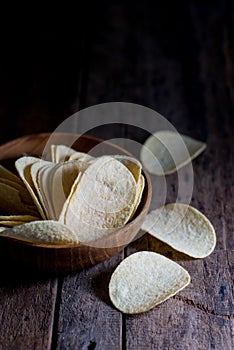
x=26, y=313
x=86, y=317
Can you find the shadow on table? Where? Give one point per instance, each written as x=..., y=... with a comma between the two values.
x=100, y=285
x=13, y=277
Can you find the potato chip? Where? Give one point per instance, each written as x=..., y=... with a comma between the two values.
x=6, y=174
x=24, y=194
x=83, y=157
x=69, y=172
x=182, y=227
x=45, y=183
x=144, y=280
x=61, y=153
x=135, y=167
x=165, y=152
x=11, y=223
x=139, y=192
x=132, y=164
x=64, y=175
x=34, y=170
x=112, y=183
x=54, y=183
x=52, y=186
x=23, y=166
x=12, y=202
x=104, y=199
x=87, y=233
x=24, y=218
x=42, y=232
x=66, y=204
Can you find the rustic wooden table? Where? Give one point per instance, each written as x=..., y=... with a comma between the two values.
x=179, y=60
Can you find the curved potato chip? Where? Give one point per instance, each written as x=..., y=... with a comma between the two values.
x=62, y=216
x=11, y=223
x=164, y=152
x=34, y=170
x=23, y=166
x=88, y=233
x=62, y=153
x=11, y=202
x=70, y=171
x=7, y=174
x=24, y=194
x=24, y=218
x=182, y=227
x=135, y=167
x=144, y=280
x=139, y=192
x=42, y=232
x=64, y=176
x=132, y=164
x=105, y=196
x=84, y=157
x=45, y=183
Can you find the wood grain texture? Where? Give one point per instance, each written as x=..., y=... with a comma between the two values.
x=27, y=313
x=86, y=318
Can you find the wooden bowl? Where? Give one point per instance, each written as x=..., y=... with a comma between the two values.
x=48, y=258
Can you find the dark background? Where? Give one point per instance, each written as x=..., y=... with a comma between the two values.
x=56, y=61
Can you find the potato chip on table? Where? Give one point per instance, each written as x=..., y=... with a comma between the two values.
x=182, y=227
x=144, y=280
x=165, y=152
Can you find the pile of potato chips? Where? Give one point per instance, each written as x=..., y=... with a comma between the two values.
x=91, y=197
